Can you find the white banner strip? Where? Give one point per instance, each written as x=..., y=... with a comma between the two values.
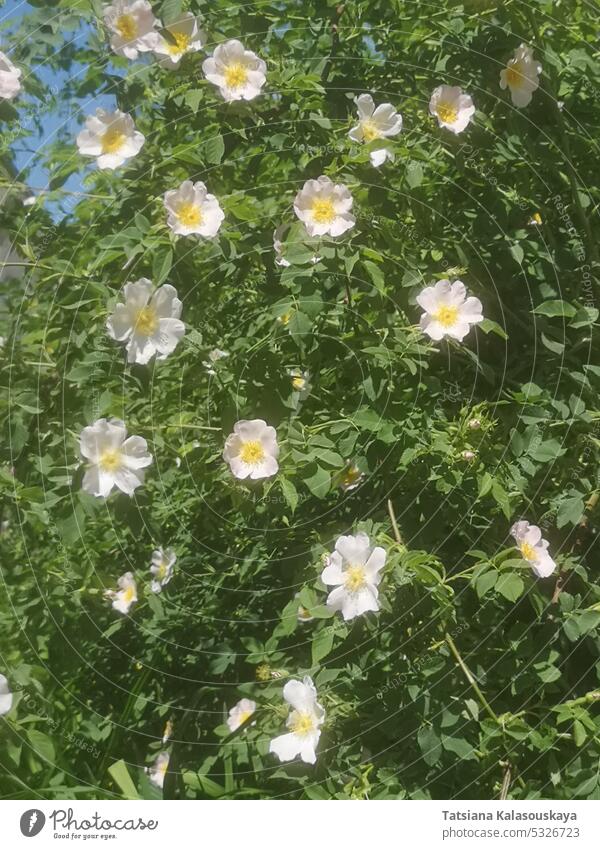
x=296, y=825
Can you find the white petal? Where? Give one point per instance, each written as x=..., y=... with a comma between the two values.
x=286, y=747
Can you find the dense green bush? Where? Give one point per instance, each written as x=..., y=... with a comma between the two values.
x=476, y=678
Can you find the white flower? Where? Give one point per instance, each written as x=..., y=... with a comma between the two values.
x=193, y=210
x=252, y=450
x=113, y=459
x=132, y=26
x=533, y=548
x=162, y=568
x=6, y=697
x=324, y=207
x=278, y=235
x=353, y=568
x=158, y=770
x=240, y=713
x=452, y=108
x=521, y=76
x=376, y=123
x=10, y=84
x=448, y=311
x=148, y=321
x=304, y=721
x=380, y=156
x=185, y=37
x=111, y=137
x=469, y=456
x=126, y=595
x=213, y=357
x=238, y=73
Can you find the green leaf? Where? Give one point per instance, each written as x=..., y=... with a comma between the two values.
x=289, y=492
x=319, y=483
x=322, y=644
x=552, y=309
x=163, y=260
x=42, y=745
x=214, y=149
x=414, y=175
x=121, y=777
x=509, y=585
x=430, y=744
x=570, y=510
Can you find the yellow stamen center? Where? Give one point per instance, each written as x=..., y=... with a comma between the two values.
x=514, y=75
x=285, y=318
x=128, y=594
x=301, y=723
x=181, y=42
x=110, y=461
x=298, y=382
x=244, y=716
x=528, y=551
x=356, y=578
x=190, y=214
x=146, y=321
x=126, y=27
x=370, y=130
x=447, y=112
x=112, y=140
x=252, y=452
x=236, y=75
x=447, y=316
x=323, y=211
x=162, y=571
x=351, y=476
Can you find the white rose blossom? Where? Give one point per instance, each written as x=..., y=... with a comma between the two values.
x=125, y=596
x=239, y=73
x=156, y=773
x=448, y=311
x=193, y=211
x=533, y=548
x=324, y=207
x=10, y=83
x=353, y=569
x=521, y=76
x=6, y=697
x=148, y=322
x=112, y=458
x=452, y=107
x=376, y=123
x=132, y=27
x=162, y=568
x=182, y=36
x=304, y=723
x=240, y=713
x=252, y=450
x=111, y=137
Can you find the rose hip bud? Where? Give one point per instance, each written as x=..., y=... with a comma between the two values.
x=475, y=424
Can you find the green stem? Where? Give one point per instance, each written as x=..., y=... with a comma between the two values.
x=470, y=678
x=395, y=527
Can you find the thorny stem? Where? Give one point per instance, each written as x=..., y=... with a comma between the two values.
x=484, y=702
